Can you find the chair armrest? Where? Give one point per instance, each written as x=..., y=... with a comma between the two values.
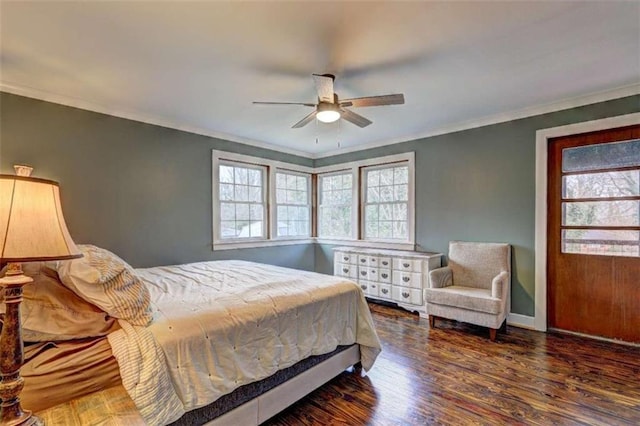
x=499, y=284
x=441, y=277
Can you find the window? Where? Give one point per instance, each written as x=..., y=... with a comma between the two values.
x=386, y=201
x=242, y=201
x=601, y=199
x=259, y=202
x=293, y=207
x=335, y=205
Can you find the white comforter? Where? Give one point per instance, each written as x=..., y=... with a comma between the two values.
x=224, y=324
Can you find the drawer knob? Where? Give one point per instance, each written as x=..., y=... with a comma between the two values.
x=406, y=265
x=372, y=260
x=345, y=270
x=363, y=273
x=385, y=263
x=364, y=287
x=385, y=291
x=373, y=286
x=406, y=279
x=363, y=260
x=346, y=258
x=405, y=295
x=385, y=275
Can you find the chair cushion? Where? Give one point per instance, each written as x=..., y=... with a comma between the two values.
x=476, y=264
x=474, y=299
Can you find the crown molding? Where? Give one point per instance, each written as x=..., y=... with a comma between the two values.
x=568, y=103
x=143, y=118
x=592, y=98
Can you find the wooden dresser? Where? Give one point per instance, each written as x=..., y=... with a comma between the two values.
x=391, y=275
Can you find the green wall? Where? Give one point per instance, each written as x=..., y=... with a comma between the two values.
x=144, y=191
x=140, y=190
x=479, y=185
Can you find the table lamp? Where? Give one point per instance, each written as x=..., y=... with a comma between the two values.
x=32, y=228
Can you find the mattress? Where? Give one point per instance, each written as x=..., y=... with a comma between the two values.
x=57, y=372
x=223, y=324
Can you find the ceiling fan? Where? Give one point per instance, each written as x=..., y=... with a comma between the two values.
x=330, y=108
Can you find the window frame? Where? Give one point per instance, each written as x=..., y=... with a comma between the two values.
x=354, y=210
x=265, y=214
x=309, y=204
x=353, y=167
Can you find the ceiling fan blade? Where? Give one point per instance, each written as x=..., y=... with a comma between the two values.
x=283, y=103
x=354, y=118
x=369, y=101
x=309, y=118
x=324, y=86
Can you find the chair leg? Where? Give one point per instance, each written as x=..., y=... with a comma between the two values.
x=432, y=321
x=492, y=334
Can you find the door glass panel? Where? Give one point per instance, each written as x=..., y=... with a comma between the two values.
x=601, y=156
x=601, y=213
x=602, y=185
x=601, y=242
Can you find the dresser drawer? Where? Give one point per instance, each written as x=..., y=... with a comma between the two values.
x=345, y=257
x=384, y=262
x=407, y=279
x=384, y=275
x=369, y=288
x=406, y=265
x=407, y=295
x=385, y=291
x=345, y=270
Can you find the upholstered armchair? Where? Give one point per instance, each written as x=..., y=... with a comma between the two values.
x=474, y=287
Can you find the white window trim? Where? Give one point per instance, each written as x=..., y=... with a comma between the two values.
x=218, y=157
x=271, y=240
x=410, y=204
x=354, y=194
x=274, y=214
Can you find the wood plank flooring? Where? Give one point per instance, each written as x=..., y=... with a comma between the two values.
x=455, y=375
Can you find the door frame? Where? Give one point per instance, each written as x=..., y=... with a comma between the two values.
x=542, y=143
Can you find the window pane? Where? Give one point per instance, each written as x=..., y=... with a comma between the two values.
x=601, y=156
x=255, y=229
x=400, y=211
x=256, y=212
x=226, y=192
x=282, y=213
x=373, y=195
x=228, y=229
x=241, y=175
x=386, y=194
x=386, y=212
x=601, y=241
x=373, y=178
x=227, y=211
x=255, y=194
x=399, y=229
x=347, y=181
x=601, y=213
x=371, y=230
x=385, y=230
x=291, y=182
x=254, y=177
x=281, y=180
x=400, y=175
x=601, y=185
x=281, y=196
x=386, y=177
x=242, y=211
x=371, y=213
x=226, y=174
x=241, y=193
x=401, y=192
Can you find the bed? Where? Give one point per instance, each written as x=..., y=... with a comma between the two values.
x=232, y=340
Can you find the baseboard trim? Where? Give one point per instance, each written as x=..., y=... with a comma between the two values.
x=522, y=321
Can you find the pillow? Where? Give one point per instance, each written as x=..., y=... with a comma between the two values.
x=102, y=278
x=52, y=312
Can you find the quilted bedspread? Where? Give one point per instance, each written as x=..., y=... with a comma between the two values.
x=222, y=324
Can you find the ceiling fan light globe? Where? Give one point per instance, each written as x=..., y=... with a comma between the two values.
x=328, y=116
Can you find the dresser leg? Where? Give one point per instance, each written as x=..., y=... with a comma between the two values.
x=432, y=321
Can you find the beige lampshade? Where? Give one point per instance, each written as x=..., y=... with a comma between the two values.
x=31, y=223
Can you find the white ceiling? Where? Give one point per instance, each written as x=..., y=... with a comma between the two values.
x=199, y=65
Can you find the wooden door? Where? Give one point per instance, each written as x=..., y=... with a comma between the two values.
x=593, y=254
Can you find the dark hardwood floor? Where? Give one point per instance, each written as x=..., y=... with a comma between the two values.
x=455, y=375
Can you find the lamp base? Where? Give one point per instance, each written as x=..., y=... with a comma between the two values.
x=11, y=352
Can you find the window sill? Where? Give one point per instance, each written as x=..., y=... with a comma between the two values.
x=219, y=245
x=409, y=246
